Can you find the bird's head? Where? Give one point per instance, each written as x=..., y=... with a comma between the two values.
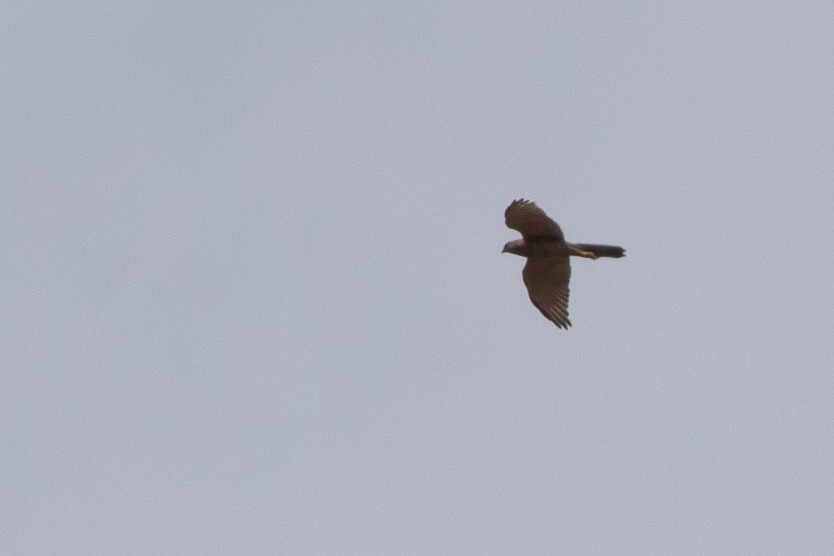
x=516, y=247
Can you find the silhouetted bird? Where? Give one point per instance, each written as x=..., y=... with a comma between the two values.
x=547, y=272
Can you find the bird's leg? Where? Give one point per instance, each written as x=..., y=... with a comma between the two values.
x=582, y=253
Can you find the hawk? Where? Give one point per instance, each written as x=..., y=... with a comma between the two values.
x=547, y=271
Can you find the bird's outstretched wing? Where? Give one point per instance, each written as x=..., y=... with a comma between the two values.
x=531, y=221
x=547, y=278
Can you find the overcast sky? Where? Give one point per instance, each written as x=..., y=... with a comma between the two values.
x=253, y=301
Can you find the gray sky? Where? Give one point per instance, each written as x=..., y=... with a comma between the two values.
x=253, y=299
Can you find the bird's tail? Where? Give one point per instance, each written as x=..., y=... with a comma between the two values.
x=602, y=250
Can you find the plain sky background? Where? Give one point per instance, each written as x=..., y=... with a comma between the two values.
x=253, y=299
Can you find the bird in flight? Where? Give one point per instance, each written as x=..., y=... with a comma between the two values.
x=547, y=271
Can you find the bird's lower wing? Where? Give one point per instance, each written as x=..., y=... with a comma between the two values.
x=547, y=279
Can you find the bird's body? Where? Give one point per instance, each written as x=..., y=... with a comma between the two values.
x=547, y=272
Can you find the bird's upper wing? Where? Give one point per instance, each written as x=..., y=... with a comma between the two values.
x=531, y=221
x=547, y=278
